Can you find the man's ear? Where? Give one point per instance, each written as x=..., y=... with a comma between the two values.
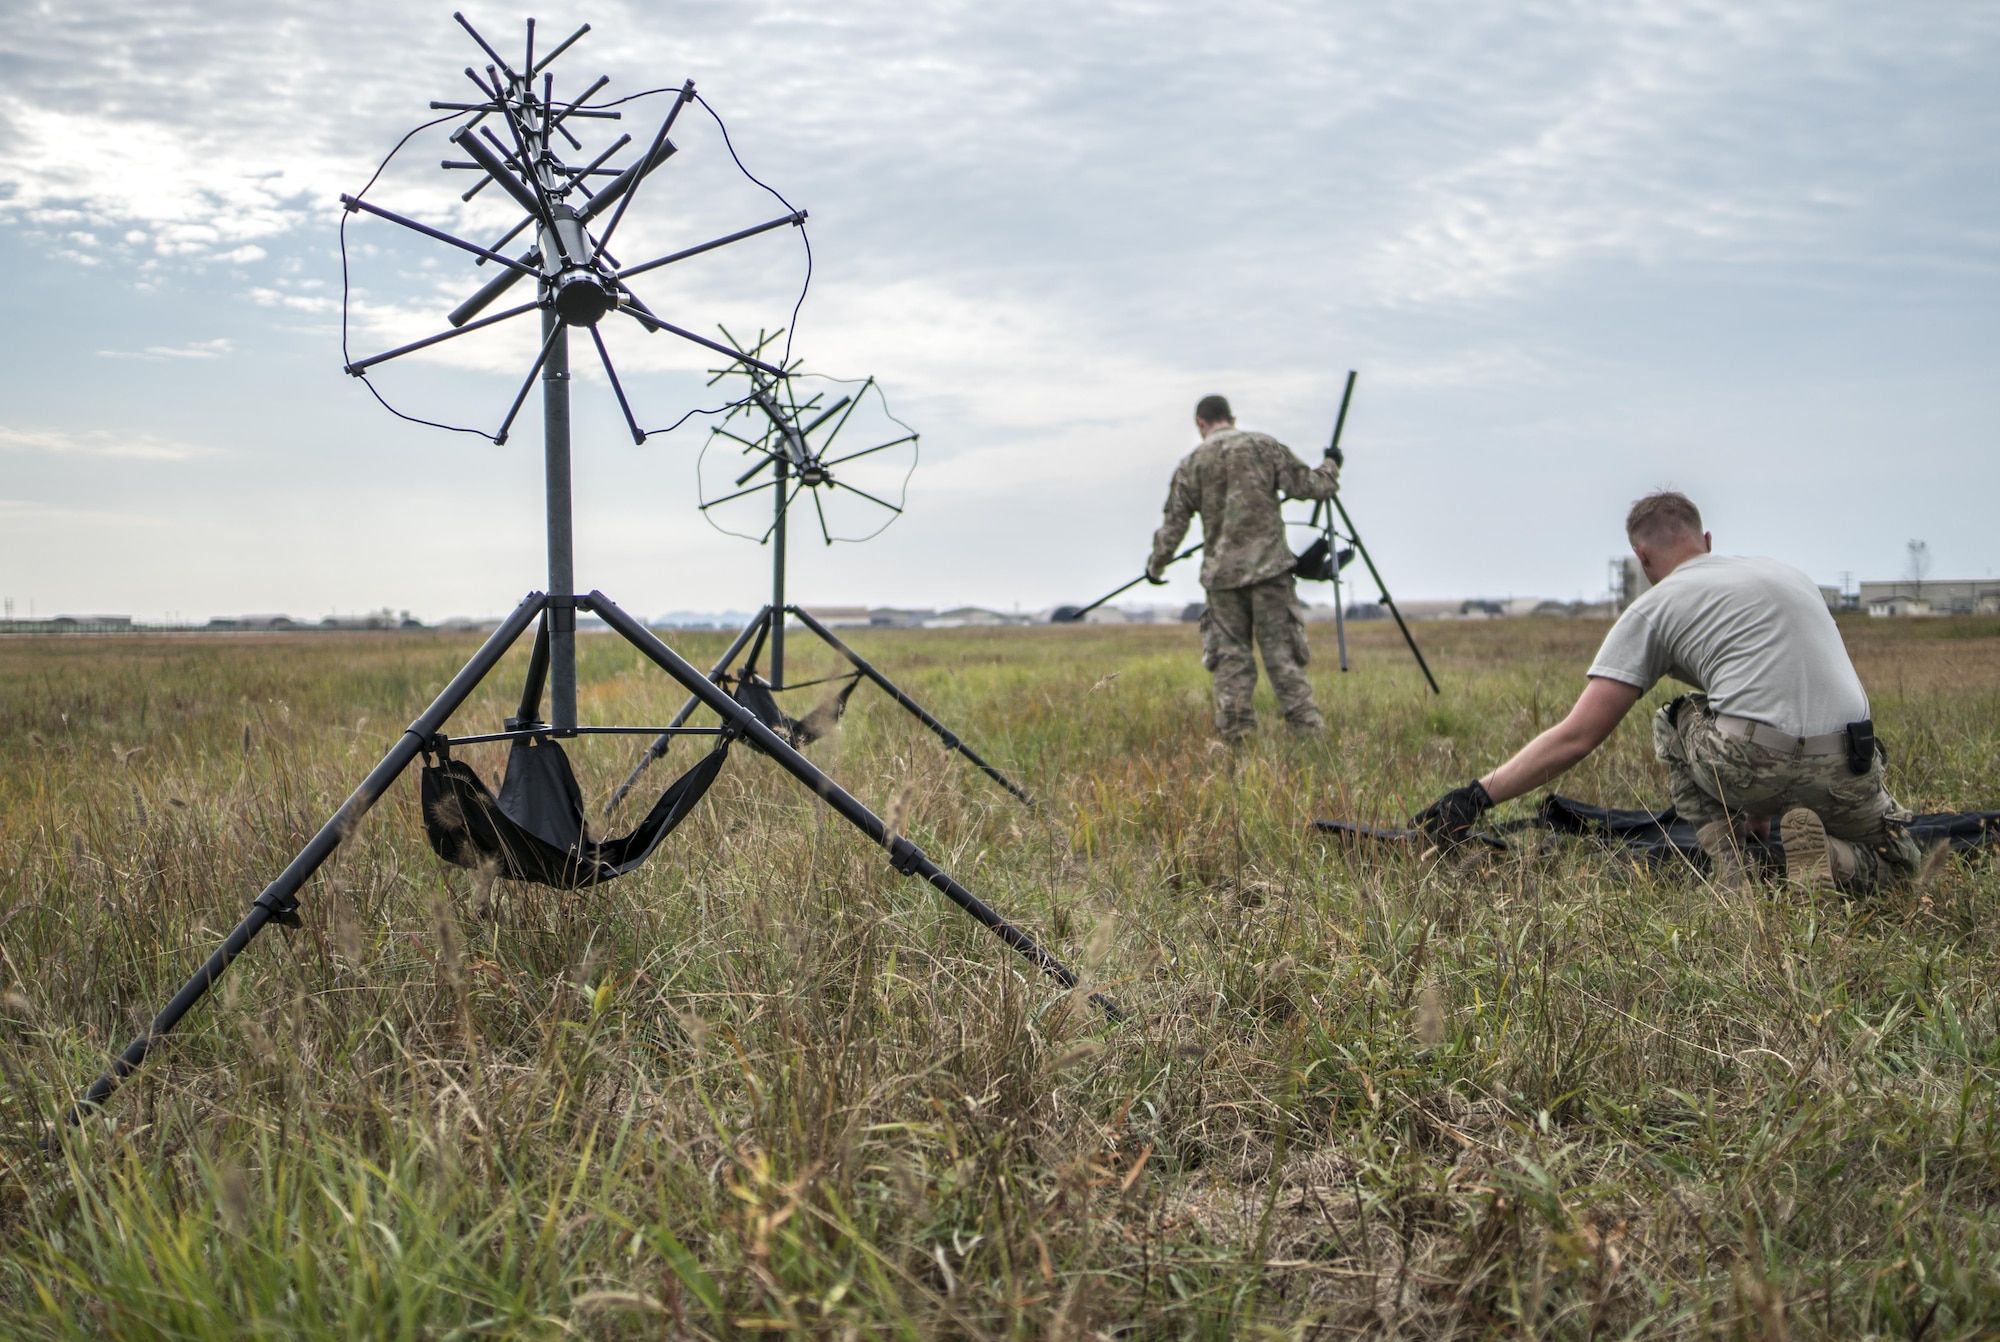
x=1708, y=542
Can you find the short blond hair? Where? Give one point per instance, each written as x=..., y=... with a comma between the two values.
x=1660, y=514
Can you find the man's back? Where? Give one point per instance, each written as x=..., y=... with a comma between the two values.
x=1753, y=634
x=1235, y=480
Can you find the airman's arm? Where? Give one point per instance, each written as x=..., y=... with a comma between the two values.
x=1598, y=710
x=1182, y=502
x=1299, y=481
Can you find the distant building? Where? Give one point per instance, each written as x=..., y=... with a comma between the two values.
x=840, y=617
x=1428, y=610
x=1134, y=615
x=1932, y=596
x=891, y=617
x=1899, y=606
x=1484, y=608
x=226, y=622
x=961, y=617
x=700, y=619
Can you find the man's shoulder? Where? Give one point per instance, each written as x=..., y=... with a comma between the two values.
x=1246, y=449
x=1231, y=446
x=1250, y=439
x=1713, y=570
x=1203, y=451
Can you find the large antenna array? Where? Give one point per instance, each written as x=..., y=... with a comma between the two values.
x=580, y=281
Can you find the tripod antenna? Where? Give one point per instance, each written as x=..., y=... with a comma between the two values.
x=1335, y=558
x=788, y=431
x=544, y=839
x=1332, y=540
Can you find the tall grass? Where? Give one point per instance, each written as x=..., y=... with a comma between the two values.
x=765, y=1085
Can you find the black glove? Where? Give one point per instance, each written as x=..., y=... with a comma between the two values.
x=1157, y=582
x=1449, y=819
x=1338, y=457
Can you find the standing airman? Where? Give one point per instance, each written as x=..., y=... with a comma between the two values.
x=1235, y=481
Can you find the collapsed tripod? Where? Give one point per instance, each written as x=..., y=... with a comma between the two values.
x=534, y=830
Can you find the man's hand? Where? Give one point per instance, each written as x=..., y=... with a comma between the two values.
x=1154, y=578
x=1449, y=819
x=1334, y=454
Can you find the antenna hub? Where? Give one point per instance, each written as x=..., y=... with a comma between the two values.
x=582, y=297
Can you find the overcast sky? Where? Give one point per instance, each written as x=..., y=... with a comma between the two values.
x=1576, y=251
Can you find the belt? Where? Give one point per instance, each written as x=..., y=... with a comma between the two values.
x=1769, y=737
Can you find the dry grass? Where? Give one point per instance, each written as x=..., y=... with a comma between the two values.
x=764, y=1084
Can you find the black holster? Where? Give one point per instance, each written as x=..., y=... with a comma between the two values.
x=1863, y=746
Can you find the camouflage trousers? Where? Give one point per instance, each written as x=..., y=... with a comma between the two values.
x=1266, y=613
x=1714, y=776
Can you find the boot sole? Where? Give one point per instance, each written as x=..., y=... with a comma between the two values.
x=1806, y=859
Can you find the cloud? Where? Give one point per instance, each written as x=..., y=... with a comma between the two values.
x=264, y=296
x=199, y=349
x=100, y=443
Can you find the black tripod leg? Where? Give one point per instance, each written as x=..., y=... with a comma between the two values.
x=538, y=675
x=1387, y=600
x=905, y=856
x=279, y=899
x=1410, y=639
x=916, y=709
x=666, y=739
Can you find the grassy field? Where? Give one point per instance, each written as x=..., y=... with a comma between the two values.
x=765, y=1084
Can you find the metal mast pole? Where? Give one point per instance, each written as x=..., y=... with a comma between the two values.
x=778, y=579
x=562, y=555
x=555, y=428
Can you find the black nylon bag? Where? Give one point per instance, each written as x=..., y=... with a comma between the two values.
x=533, y=831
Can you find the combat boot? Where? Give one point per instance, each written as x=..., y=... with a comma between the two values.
x=1814, y=858
x=1725, y=855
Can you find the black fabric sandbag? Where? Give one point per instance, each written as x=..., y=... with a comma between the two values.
x=540, y=803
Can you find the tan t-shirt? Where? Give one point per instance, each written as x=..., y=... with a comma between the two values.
x=1753, y=634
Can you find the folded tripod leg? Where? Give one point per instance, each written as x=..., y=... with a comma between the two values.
x=279, y=901
x=915, y=709
x=904, y=856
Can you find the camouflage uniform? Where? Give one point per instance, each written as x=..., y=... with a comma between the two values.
x=1716, y=776
x=1235, y=480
